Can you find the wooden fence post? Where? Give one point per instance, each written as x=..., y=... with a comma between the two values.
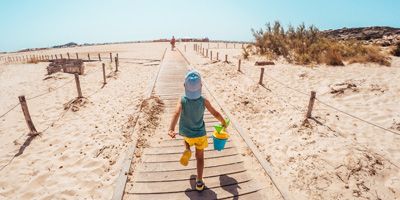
x=217, y=56
x=207, y=53
x=99, y=57
x=117, y=57
x=210, y=55
x=104, y=74
x=261, y=76
x=110, y=57
x=68, y=55
x=116, y=64
x=77, y=57
x=226, y=58
x=78, y=85
x=56, y=57
x=310, y=104
x=240, y=62
x=28, y=119
x=88, y=55
x=185, y=48
x=52, y=57
x=61, y=56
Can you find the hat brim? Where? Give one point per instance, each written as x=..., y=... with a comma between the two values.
x=193, y=94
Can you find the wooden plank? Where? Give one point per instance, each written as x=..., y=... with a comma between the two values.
x=184, y=175
x=157, y=167
x=182, y=185
x=179, y=150
x=229, y=191
x=175, y=158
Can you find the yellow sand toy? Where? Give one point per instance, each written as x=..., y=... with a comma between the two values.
x=220, y=136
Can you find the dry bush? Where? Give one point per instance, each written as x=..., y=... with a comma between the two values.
x=333, y=57
x=369, y=54
x=396, y=51
x=245, y=53
x=306, y=45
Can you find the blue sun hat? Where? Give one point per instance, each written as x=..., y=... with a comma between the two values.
x=192, y=85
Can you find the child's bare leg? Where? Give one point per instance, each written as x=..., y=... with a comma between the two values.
x=200, y=163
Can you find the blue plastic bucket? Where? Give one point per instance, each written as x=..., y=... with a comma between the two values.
x=219, y=144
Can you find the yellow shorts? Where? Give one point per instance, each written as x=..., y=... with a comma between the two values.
x=199, y=142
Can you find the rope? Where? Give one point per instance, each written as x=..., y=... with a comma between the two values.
x=44, y=93
x=332, y=107
x=353, y=116
x=39, y=95
x=9, y=110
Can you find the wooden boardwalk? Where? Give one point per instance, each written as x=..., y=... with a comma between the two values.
x=159, y=175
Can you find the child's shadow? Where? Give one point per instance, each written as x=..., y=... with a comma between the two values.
x=227, y=183
x=207, y=193
x=230, y=185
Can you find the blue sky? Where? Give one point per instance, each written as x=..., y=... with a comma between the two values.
x=44, y=23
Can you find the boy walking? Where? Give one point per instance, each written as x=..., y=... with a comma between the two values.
x=190, y=111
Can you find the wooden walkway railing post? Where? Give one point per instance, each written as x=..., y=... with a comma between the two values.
x=226, y=58
x=28, y=119
x=104, y=74
x=61, y=56
x=217, y=56
x=116, y=63
x=78, y=85
x=240, y=62
x=68, y=55
x=261, y=76
x=110, y=57
x=77, y=57
x=210, y=55
x=88, y=55
x=99, y=57
x=310, y=104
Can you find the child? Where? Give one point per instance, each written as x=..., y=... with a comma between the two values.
x=190, y=110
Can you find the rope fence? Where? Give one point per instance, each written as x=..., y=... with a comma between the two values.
x=200, y=50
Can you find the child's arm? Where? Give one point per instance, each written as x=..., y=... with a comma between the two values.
x=175, y=117
x=214, y=112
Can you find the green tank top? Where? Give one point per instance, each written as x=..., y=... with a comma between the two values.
x=191, y=123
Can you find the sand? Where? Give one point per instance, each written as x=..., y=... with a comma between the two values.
x=332, y=157
x=79, y=153
x=80, y=150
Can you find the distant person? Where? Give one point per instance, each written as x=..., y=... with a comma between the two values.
x=190, y=111
x=173, y=43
